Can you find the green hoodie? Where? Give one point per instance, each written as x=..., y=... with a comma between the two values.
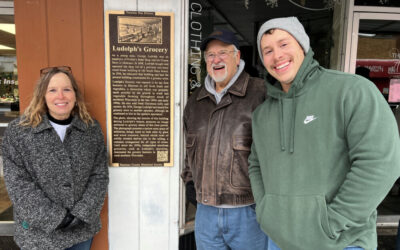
x=324, y=155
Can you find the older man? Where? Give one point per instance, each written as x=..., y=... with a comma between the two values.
x=217, y=121
x=325, y=150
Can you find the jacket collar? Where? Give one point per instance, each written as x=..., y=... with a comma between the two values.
x=45, y=124
x=238, y=88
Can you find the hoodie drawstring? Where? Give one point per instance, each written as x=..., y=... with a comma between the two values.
x=292, y=126
x=281, y=126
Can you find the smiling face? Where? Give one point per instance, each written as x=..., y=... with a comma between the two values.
x=60, y=96
x=282, y=56
x=223, y=62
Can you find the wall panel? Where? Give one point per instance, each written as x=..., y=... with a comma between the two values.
x=144, y=201
x=59, y=32
x=31, y=43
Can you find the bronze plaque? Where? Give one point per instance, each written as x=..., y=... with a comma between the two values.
x=140, y=88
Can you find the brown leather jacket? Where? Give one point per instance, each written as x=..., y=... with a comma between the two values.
x=218, y=141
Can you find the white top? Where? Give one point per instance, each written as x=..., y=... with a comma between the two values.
x=60, y=129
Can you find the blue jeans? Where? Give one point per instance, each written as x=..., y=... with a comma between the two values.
x=228, y=228
x=82, y=246
x=273, y=246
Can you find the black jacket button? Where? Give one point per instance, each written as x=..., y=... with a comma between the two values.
x=67, y=185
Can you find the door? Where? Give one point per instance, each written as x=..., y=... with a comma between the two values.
x=375, y=54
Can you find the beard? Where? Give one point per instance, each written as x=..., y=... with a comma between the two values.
x=219, y=78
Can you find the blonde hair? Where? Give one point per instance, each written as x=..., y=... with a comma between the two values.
x=37, y=108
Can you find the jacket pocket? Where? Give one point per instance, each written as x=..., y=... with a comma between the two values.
x=296, y=222
x=239, y=174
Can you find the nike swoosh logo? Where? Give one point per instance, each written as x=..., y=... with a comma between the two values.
x=309, y=119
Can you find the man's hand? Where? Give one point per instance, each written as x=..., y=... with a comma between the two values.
x=69, y=222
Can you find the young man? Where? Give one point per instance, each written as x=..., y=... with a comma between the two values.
x=217, y=122
x=325, y=148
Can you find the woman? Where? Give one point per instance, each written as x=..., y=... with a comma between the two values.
x=55, y=167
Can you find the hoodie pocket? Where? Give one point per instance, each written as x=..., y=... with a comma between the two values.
x=239, y=174
x=294, y=221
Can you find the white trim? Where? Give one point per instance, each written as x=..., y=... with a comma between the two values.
x=184, y=77
x=7, y=228
x=376, y=9
x=6, y=4
x=346, y=52
x=354, y=42
x=6, y=8
x=388, y=221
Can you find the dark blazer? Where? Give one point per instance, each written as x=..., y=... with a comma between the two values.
x=45, y=176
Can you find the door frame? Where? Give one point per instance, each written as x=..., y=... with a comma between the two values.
x=355, y=14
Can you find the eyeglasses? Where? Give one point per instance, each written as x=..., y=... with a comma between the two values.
x=223, y=54
x=61, y=68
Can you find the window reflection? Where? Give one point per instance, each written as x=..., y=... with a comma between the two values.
x=382, y=3
x=9, y=97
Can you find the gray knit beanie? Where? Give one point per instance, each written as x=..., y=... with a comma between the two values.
x=289, y=24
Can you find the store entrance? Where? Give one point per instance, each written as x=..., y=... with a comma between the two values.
x=244, y=18
x=375, y=54
x=375, y=48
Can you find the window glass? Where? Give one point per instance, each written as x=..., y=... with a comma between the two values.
x=244, y=19
x=9, y=97
x=381, y=3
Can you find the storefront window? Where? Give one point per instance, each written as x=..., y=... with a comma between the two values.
x=381, y=3
x=9, y=98
x=378, y=54
x=244, y=17
x=378, y=59
x=200, y=24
